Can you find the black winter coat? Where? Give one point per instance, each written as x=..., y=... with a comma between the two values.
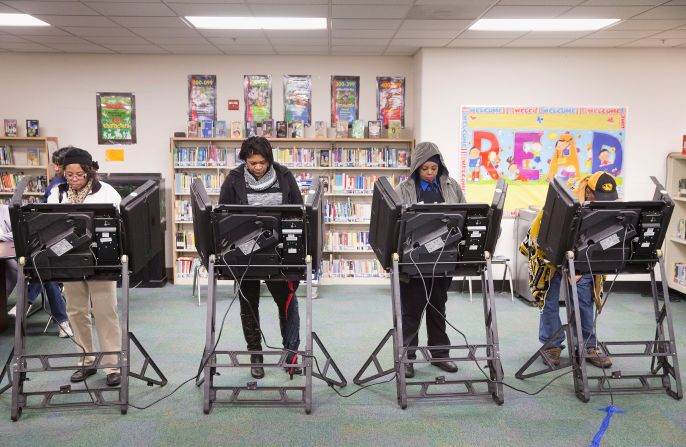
x=234, y=192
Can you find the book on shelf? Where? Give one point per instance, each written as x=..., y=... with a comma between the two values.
x=6, y=157
x=33, y=156
x=403, y=158
x=186, y=265
x=297, y=129
x=220, y=129
x=374, y=129
x=281, y=129
x=347, y=240
x=237, y=156
x=341, y=129
x=394, y=128
x=210, y=155
x=206, y=128
x=325, y=183
x=324, y=158
x=370, y=157
x=184, y=211
x=268, y=128
x=10, y=128
x=295, y=157
x=236, y=129
x=250, y=129
x=681, y=229
x=341, y=267
x=358, y=129
x=346, y=211
x=31, y=128
x=320, y=129
x=192, y=130
x=183, y=181
x=344, y=183
x=24, y=200
x=680, y=273
x=185, y=240
x=9, y=181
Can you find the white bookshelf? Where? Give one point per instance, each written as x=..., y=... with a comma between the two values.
x=675, y=248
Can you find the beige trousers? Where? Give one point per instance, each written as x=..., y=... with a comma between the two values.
x=102, y=296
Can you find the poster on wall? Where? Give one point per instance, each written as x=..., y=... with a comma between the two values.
x=202, y=97
x=297, y=98
x=390, y=99
x=116, y=113
x=258, y=98
x=527, y=146
x=345, y=92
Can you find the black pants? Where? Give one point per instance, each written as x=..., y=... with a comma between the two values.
x=413, y=300
x=284, y=296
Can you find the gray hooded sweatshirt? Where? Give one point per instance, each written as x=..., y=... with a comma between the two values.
x=450, y=189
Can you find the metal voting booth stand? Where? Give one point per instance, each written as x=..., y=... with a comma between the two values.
x=213, y=359
x=662, y=375
x=489, y=351
x=19, y=364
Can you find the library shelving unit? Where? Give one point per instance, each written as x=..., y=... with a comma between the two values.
x=675, y=242
x=350, y=167
x=20, y=156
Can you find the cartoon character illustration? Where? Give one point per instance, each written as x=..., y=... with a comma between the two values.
x=474, y=166
x=535, y=150
x=492, y=164
x=564, y=157
x=513, y=172
x=604, y=157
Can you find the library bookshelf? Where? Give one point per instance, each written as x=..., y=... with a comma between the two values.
x=675, y=241
x=21, y=156
x=349, y=166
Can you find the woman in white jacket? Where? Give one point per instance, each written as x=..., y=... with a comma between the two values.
x=83, y=186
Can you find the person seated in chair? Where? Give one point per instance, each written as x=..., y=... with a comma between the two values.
x=428, y=182
x=545, y=281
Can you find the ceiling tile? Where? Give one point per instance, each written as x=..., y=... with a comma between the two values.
x=476, y=34
x=290, y=10
x=673, y=34
x=481, y=43
x=357, y=51
x=367, y=11
x=289, y=2
x=6, y=38
x=307, y=34
x=544, y=2
x=664, y=12
x=657, y=25
x=297, y=41
x=525, y=12
x=622, y=34
x=604, y=12
x=92, y=31
x=34, y=30
x=302, y=49
x=449, y=10
x=590, y=42
x=77, y=20
x=360, y=42
x=210, y=9
x=363, y=33
x=145, y=49
x=622, y=2
x=364, y=24
x=537, y=43
x=400, y=51
x=192, y=49
x=248, y=51
x=163, y=40
x=165, y=32
x=657, y=43
x=363, y=2
x=59, y=8
x=436, y=24
x=256, y=40
x=155, y=22
x=20, y=47
x=4, y=9
x=231, y=32
x=118, y=40
x=132, y=9
x=49, y=40
x=79, y=48
x=420, y=42
x=424, y=34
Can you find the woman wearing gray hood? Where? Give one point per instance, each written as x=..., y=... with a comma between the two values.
x=429, y=182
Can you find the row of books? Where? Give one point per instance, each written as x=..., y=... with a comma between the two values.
x=344, y=183
x=184, y=211
x=680, y=273
x=11, y=128
x=185, y=240
x=8, y=182
x=681, y=229
x=6, y=155
x=371, y=157
x=348, y=268
x=347, y=240
x=186, y=266
x=183, y=181
x=347, y=211
x=211, y=155
x=24, y=200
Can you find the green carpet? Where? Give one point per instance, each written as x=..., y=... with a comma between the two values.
x=350, y=321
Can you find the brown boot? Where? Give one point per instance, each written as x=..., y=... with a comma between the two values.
x=597, y=358
x=552, y=356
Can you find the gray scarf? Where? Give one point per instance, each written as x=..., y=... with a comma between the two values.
x=265, y=182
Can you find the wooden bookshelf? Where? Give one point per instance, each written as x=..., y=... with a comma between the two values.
x=311, y=169
x=19, y=164
x=675, y=248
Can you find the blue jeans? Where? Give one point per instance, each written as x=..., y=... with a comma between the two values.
x=550, y=315
x=52, y=290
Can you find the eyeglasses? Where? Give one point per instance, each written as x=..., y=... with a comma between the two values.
x=78, y=175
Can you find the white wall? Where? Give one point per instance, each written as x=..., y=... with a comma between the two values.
x=59, y=90
x=649, y=82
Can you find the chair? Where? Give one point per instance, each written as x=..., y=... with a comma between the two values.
x=507, y=273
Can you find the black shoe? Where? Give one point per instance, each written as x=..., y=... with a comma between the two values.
x=409, y=371
x=450, y=367
x=81, y=374
x=256, y=371
x=113, y=379
x=294, y=371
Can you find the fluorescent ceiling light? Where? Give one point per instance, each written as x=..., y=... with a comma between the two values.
x=20, y=20
x=541, y=24
x=257, y=22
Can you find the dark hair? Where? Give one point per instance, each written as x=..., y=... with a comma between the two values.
x=58, y=155
x=256, y=146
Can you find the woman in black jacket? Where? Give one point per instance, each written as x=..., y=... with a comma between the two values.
x=260, y=181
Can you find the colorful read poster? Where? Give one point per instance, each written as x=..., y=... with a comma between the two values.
x=258, y=98
x=116, y=118
x=529, y=145
x=297, y=98
x=390, y=99
x=345, y=91
x=202, y=97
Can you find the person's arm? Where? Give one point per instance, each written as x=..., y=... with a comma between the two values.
x=226, y=193
x=294, y=195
